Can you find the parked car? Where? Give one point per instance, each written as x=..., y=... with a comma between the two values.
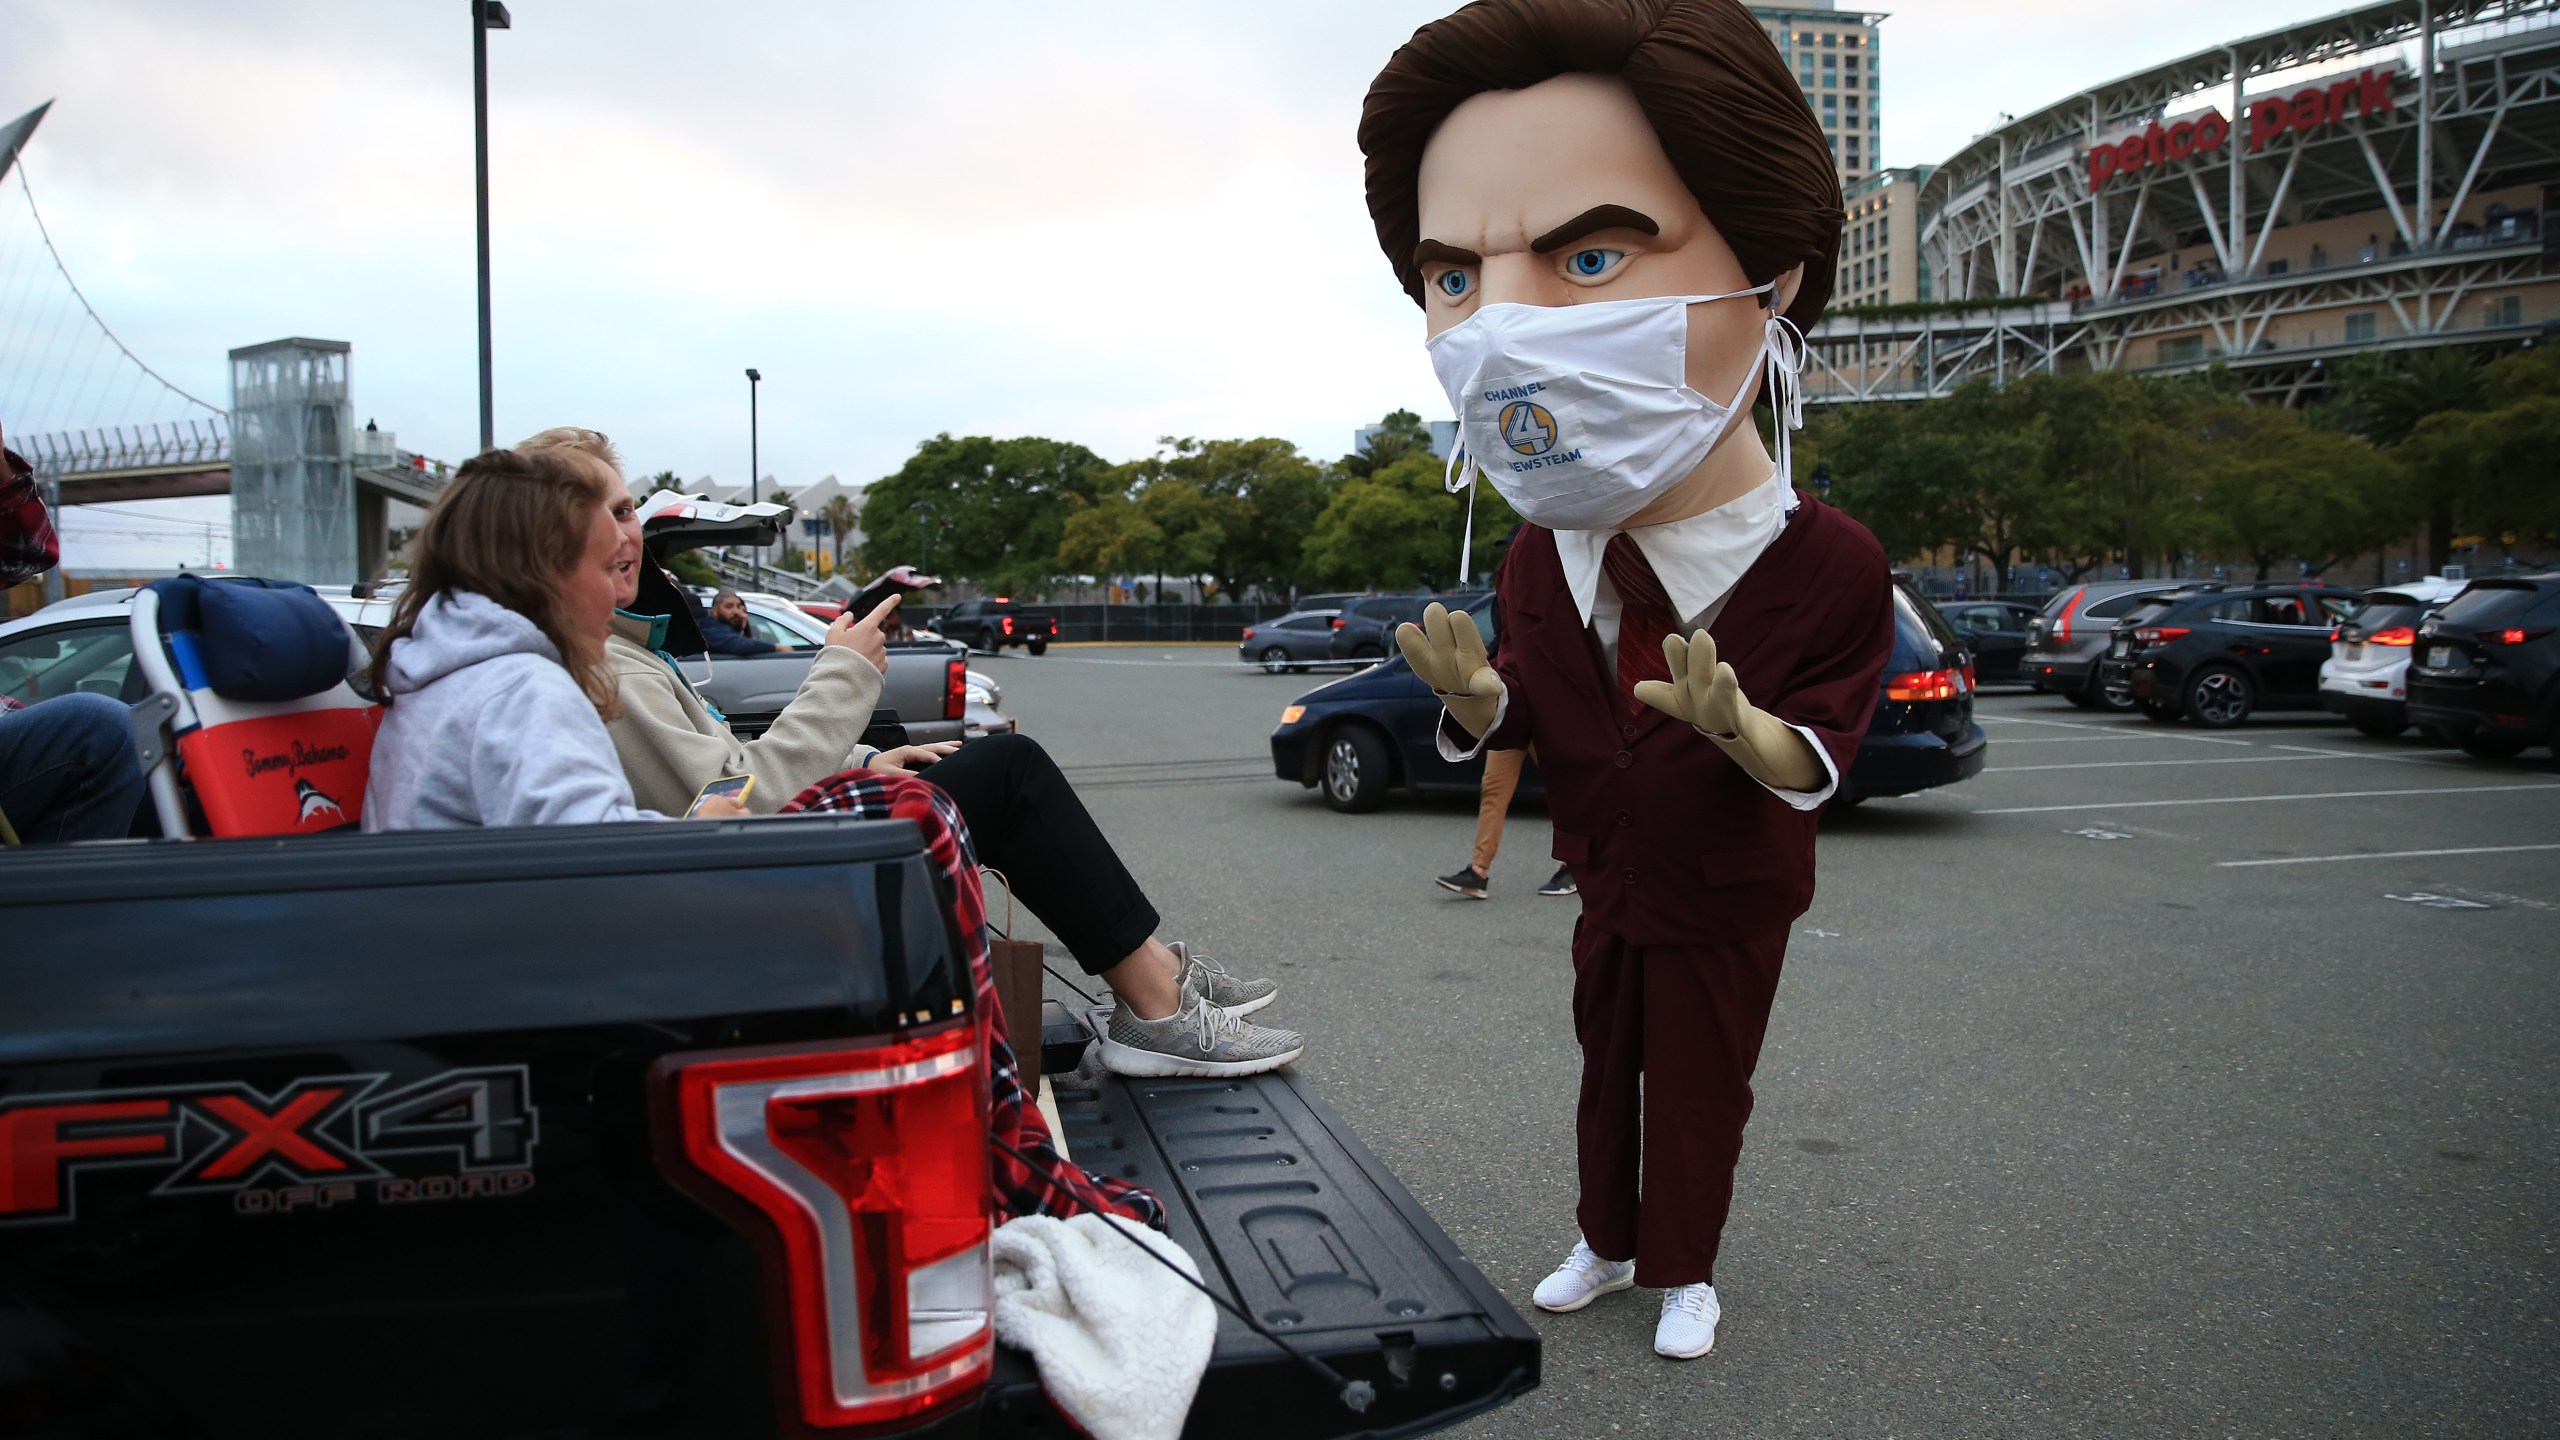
x=2487, y=667
x=1293, y=642
x=2366, y=677
x=1994, y=633
x=1367, y=631
x=2218, y=656
x=1359, y=738
x=517, y=1105
x=779, y=620
x=996, y=624
x=2068, y=639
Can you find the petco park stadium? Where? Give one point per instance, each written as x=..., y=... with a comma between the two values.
x=2382, y=179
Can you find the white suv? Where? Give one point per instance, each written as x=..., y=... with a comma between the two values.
x=2366, y=677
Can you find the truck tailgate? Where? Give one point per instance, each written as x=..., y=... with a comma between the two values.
x=1296, y=1223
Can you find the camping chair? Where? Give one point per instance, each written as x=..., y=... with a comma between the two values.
x=250, y=709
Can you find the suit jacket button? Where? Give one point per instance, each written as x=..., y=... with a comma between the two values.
x=1625, y=819
x=1629, y=875
x=1627, y=732
x=1625, y=759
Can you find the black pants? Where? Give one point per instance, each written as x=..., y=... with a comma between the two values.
x=1026, y=821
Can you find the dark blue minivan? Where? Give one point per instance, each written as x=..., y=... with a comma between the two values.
x=1366, y=734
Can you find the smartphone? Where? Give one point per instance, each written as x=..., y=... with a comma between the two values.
x=871, y=596
x=733, y=787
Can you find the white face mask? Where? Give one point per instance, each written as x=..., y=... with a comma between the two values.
x=1581, y=415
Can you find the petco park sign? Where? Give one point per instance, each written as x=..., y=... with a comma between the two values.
x=2312, y=108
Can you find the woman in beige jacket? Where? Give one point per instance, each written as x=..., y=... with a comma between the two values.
x=1178, y=1013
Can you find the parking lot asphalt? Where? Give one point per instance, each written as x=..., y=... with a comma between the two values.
x=2109, y=1092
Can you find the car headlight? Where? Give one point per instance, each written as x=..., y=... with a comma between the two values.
x=1293, y=714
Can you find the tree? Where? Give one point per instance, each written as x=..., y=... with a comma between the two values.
x=1248, y=507
x=2272, y=488
x=1399, y=434
x=2385, y=398
x=2492, y=466
x=842, y=515
x=999, y=507
x=664, y=480
x=1397, y=528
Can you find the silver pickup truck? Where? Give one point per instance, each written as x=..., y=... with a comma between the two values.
x=927, y=690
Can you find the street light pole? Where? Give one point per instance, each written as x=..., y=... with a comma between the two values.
x=755, y=471
x=486, y=15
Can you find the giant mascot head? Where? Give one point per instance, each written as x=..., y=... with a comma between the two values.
x=1616, y=215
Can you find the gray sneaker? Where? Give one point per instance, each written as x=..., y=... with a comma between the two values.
x=1236, y=996
x=1199, y=1039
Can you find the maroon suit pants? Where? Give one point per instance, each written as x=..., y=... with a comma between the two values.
x=1669, y=1035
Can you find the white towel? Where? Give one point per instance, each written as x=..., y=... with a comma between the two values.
x=1120, y=1344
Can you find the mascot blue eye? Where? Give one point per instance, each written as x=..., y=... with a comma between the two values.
x=1453, y=283
x=1590, y=264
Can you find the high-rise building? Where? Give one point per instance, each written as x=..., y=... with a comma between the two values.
x=1881, y=261
x=1833, y=53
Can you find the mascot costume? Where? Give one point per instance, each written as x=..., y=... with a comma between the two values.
x=1616, y=215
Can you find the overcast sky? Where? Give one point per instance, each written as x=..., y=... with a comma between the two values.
x=1103, y=222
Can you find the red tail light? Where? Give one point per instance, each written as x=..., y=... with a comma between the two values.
x=2159, y=634
x=1053, y=627
x=2396, y=635
x=2062, y=622
x=1336, y=622
x=1008, y=624
x=955, y=689
x=2518, y=637
x=1925, y=685
x=1968, y=679
x=2333, y=634
x=1248, y=632
x=862, y=1176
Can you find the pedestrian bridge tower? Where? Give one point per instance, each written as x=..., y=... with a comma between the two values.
x=293, y=487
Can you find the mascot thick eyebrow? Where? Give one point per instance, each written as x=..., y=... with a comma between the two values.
x=1616, y=216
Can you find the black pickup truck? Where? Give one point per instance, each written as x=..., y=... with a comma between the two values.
x=994, y=624
x=630, y=1130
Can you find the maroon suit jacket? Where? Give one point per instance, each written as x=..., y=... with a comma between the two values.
x=1663, y=832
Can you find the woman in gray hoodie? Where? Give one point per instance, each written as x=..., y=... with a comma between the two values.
x=492, y=668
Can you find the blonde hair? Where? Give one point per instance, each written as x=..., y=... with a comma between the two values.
x=509, y=525
x=576, y=439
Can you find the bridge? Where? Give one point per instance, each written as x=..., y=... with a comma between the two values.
x=311, y=495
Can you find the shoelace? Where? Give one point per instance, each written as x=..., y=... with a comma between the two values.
x=1211, y=1025
x=1690, y=1300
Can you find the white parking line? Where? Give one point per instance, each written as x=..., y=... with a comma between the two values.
x=2258, y=799
x=2147, y=764
x=2386, y=855
x=2115, y=732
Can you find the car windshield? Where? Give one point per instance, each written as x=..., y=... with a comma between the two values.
x=2489, y=602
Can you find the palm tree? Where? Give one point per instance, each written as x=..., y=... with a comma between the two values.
x=841, y=514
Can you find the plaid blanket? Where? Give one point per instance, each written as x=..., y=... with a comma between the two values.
x=1055, y=1186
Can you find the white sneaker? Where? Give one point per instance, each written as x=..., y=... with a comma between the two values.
x=1581, y=1279
x=1687, y=1328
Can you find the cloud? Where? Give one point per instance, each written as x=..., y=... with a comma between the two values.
x=1100, y=223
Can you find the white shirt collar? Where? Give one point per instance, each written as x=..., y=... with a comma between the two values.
x=1697, y=559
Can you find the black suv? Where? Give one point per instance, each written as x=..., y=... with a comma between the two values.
x=1368, y=628
x=2487, y=667
x=2216, y=655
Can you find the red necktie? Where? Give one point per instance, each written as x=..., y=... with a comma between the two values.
x=1644, y=620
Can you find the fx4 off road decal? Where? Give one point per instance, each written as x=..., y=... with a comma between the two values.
x=318, y=1143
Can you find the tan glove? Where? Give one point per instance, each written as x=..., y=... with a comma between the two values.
x=1703, y=692
x=1448, y=654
